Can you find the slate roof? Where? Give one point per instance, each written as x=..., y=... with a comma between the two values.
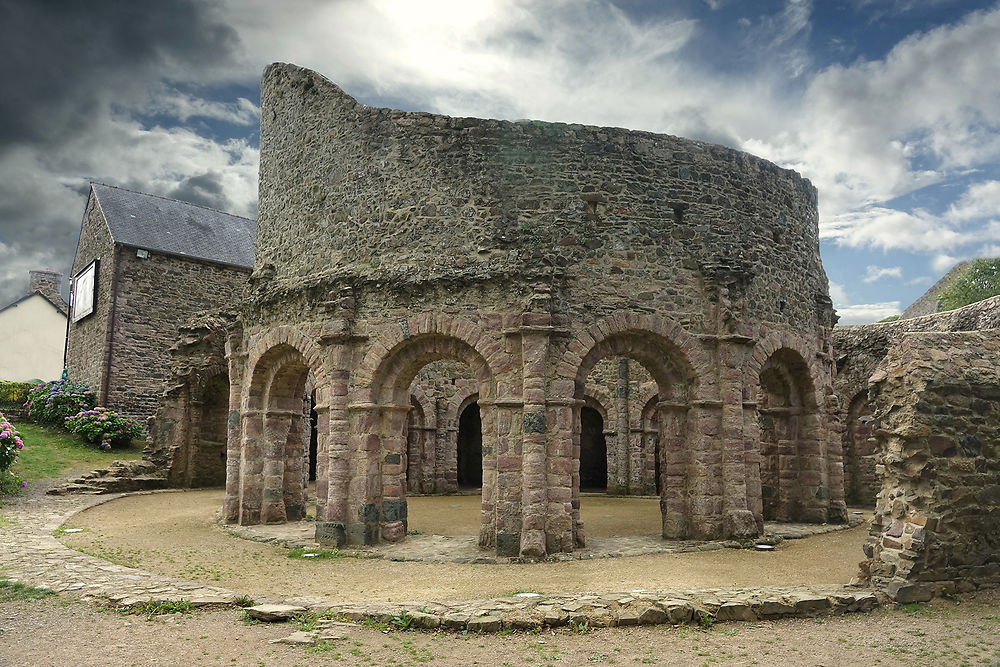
x=175, y=227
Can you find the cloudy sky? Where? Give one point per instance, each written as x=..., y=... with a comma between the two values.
x=890, y=107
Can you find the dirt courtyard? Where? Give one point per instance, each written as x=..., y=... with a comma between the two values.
x=175, y=534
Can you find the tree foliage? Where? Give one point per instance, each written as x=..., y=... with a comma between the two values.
x=980, y=280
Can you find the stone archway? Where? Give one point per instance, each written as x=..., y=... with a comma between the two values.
x=672, y=373
x=207, y=458
x=379, y=429
x=276, y=434
x=790, y=444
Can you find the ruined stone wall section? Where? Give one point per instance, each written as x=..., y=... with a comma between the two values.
x=858, y=350
x=937, y=523
x=630, y=218
x=88, y=339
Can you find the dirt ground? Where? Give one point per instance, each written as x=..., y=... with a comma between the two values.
x=175, y=534
x=64, y=631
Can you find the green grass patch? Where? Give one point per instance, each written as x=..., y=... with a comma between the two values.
x=52, y=452
x=12, y=590
x=152, y=608
x=318, y=554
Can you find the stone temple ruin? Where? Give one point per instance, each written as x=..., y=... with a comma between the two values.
x=532, y=310
x=410, y=266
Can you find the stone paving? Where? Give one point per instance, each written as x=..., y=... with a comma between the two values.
x=30, y=554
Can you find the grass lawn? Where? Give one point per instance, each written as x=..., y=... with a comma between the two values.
x=53, y=452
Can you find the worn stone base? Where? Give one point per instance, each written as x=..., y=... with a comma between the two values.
x=527, y=611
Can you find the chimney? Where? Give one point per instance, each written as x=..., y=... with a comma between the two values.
x=47, y=283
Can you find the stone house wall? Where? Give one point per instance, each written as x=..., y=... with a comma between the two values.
x=121, y=348
x=936, y=399
x=528, y=252
x=88, y=340
x=859, y=349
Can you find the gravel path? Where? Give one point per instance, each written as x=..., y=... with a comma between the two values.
x=174, y=534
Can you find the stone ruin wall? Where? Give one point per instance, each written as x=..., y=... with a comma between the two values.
x=859, y=349
x=529, y=252
x=936, y=400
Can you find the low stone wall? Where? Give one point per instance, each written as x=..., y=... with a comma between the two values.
x=936, y=399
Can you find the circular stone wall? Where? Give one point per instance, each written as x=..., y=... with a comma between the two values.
x=530, y=252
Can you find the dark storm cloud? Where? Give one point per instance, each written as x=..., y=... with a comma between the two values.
x=76, y=74
x=66, y=61
x=205, y=189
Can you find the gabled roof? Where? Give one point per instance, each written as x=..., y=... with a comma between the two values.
x=58, y=306
x=175, y=227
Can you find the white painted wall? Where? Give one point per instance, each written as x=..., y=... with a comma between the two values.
x=32, y=337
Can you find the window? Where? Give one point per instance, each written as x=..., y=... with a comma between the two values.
x=84, y=291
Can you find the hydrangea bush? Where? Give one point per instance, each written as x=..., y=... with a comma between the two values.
x=103, y=427
x=10, y=445
x=52, y=402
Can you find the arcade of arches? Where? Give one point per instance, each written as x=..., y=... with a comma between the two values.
x=431, y=413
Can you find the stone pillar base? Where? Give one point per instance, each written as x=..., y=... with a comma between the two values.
x=740, y=524
x=331, y=534
x=508, y=544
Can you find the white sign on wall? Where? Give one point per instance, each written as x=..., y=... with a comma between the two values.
x=84, y=291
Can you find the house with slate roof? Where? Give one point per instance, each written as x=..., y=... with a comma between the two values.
x=34, y=330
x=144, y=265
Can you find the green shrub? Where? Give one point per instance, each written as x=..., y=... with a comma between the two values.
x=52, y=402
x=13, y=395
x=980, y=280
x=10, y=446
x=103, y=427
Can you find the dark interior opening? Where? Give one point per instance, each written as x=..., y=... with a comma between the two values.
x=313, y=437
x=470, y=448
x=593, y=451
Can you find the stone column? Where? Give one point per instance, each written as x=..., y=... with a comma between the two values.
x=561, y=518
x=504, y=460
x=489, y=412
x=535, y=329
x=704, y=465
x=738, y=518
x=619, y=456
x=534, y=355
x=751, y=450
x=392, y=512
x=333, y=455
x=251, y=465
x=364, y=486
x=236, y=360
x=674, y=465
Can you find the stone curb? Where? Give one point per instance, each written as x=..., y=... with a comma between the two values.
x=594, y=610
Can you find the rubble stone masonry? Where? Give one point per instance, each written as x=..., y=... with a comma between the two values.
x=936, y=399
x=529, y=253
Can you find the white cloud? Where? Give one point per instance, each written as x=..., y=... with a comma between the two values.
x=874, y=273
x=981, y=200
x=865, y=313
x=942, y=263
x=862, y=313
x=181, y=106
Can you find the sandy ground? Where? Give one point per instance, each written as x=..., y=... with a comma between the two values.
x=175, y=534
x=64, y=631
